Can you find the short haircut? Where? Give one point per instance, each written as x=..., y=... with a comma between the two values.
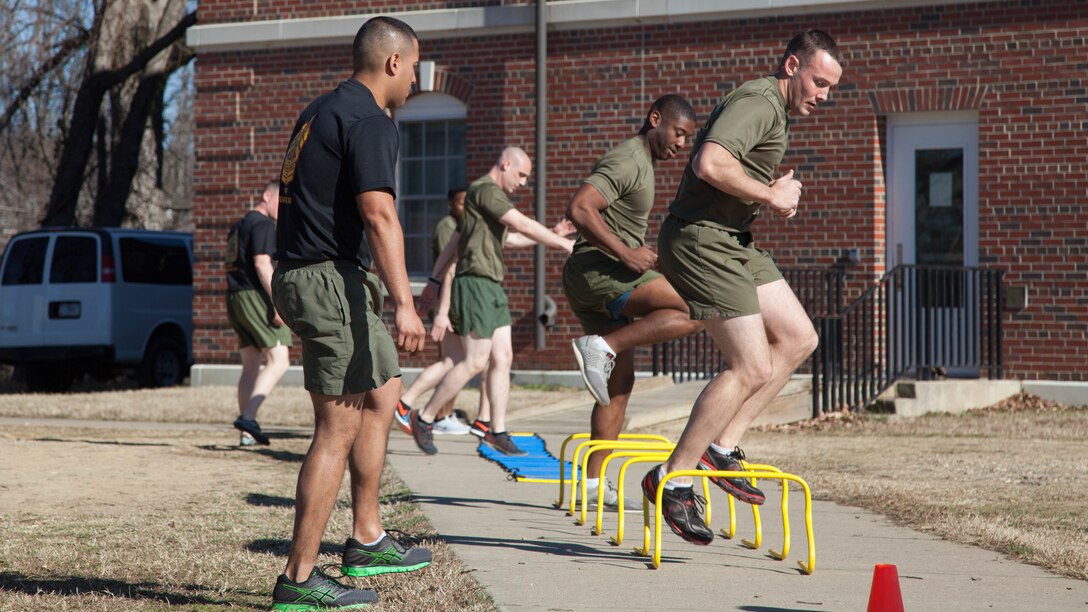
x=271, y=186
x=452, y=193
x=672, y=106
x=806, y=44
x=377, y=39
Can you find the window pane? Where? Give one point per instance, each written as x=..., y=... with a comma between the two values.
x=411, y=177
x=939, y=206
x=455, y=172
x=456, y=139
x=435, y=138
x=75, y=260
x=411, y=141
x=156, y=262
x=25, y=261
x=436, y=177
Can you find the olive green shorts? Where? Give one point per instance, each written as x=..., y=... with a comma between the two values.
x=478, y=304
x=251, y=316
x=597, y=288
x=714, y=270
x=335, y=309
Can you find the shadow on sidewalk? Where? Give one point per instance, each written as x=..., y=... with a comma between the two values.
x=469, y=502
x=547, y=547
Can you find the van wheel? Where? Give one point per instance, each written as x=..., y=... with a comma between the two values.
x=49, y=379
x=163, y=365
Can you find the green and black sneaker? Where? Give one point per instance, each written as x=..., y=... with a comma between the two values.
x=385, y=557
x=318, y=592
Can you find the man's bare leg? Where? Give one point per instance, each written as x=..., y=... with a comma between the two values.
x=251, y=366
x=367, y=458
x=277, y=360
x=791, y=339
x=477, y=350
x=500, y=360
x=337, y=422
x=662, y=316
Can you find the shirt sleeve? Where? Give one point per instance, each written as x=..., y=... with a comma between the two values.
x=612, y=178
x=743, y=124
x=263, y=239
x=371, y=155
x=494, y=202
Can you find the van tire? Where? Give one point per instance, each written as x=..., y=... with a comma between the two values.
x=163, y=364
x=48, y=378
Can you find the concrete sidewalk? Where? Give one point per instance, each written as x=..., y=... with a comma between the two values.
x=531, y=556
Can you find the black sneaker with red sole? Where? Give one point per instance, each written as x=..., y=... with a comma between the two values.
x=681, y=508
x=740, y=488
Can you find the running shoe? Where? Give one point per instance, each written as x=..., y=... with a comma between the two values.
x=502, y=443
x=251, y=428
x=740, y=488
x=245, y=439
x=480, y=428
x=400, y=416
x=318, y=592
x=611, y=496
x=681, y=508
x=422, y=433
x=385, y=557
x=595, y=366
x=449, y=425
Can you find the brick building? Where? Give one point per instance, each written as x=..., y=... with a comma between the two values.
x=996, y=88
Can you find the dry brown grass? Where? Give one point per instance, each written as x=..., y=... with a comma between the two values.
x=1013, y=479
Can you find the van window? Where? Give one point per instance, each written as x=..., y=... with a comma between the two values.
x=25, y=261
x=75, y=260
x=155, y=261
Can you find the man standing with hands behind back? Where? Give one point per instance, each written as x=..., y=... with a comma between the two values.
x=338, y=218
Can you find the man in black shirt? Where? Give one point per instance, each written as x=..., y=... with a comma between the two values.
x=338, y=219
x=261, y=332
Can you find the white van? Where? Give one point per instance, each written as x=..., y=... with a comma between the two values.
x=89, y=300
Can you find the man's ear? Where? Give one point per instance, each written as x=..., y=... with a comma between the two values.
x=654, y=118
x=791, y=65
x=392, y=64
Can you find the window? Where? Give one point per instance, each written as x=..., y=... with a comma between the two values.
x=26, y=261
x=432, y=161
x=155, y=261
x=75, y=260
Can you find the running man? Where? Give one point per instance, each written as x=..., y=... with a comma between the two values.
x=708, y=254
x=479, y=308
x=338, y=219
x=260, y=330
x=610, y=278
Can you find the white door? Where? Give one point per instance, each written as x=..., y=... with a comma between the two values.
x=933, y=221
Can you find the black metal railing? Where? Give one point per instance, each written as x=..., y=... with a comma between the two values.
x=917, y=321
x=820, y=291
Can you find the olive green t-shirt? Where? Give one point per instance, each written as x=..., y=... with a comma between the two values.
x=751, y=124
x=625, y=178
x=482, y=234
x=443, y=231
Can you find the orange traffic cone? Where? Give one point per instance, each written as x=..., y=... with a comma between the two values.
x=884, y=596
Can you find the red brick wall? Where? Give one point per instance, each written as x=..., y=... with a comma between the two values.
x=1020, y=64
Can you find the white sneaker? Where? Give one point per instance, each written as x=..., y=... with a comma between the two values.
x=247, y=440
x=611, y=497
x=595, y=366
x=449, y=426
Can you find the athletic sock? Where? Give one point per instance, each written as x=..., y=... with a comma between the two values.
x=671, y=484
x=425, y=421
x=601, y=344
x=720, y=450
x=592, y=483
x=375, y=541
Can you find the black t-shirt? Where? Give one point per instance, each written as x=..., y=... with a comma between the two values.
x=253, y=234
x=343, y=144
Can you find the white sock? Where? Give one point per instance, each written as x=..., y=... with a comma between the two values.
x=671, y=484
x=375, y=541
x=593, y=483
x=601, y=344
x=720, y=450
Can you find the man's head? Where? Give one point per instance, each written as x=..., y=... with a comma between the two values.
x=455, y=198
x=270, y=199
x=387, y=50
x=812, y=65
x=668, y=126
x=512, y=170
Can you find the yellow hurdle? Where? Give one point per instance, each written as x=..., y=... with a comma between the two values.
x=573, y=469
x=807, y=568
x=592, y=446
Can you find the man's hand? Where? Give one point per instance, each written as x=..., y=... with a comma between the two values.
x=564, y=228
x=410, y=331
x=426, y=299
x=785, y=195
x=568, y=245
x=276, y=320
x=639, y=260
x=440, y=327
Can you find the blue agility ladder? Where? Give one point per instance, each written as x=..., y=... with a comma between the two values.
x=537, y=465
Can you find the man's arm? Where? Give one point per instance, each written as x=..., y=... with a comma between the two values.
x=262, y=262
x=387, y=247
x=718, y=167
x=442, y=312
x=446, y=259
x=534, y=231
x=584, y=211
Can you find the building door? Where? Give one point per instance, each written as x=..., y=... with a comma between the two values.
x=932, y=230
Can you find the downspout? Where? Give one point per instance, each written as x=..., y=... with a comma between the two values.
x=541, y=158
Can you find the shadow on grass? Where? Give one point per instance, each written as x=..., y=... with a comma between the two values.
x=278, y=455
x=280, y=547
x=13, y=582
x=269, y=501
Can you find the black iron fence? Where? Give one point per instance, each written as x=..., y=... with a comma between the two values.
x=917, y=321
